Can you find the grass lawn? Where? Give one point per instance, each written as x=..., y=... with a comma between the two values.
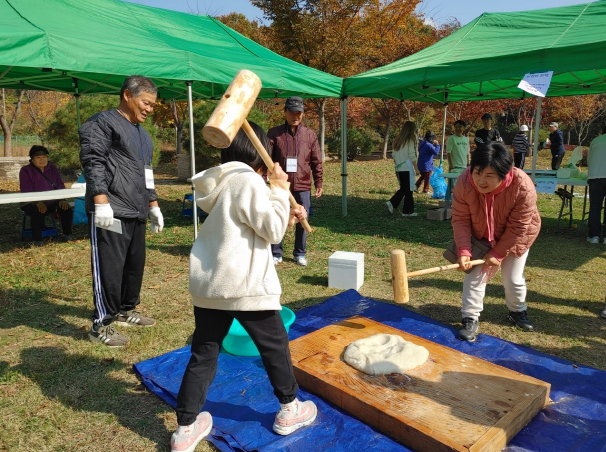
x=59, y=392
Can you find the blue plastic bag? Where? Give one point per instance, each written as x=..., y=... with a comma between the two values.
x=79, y=210
x=438, y=184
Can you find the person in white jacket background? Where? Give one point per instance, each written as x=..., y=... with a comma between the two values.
x=405, y=155
x=232, y=276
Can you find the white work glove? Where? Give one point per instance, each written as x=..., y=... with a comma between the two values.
x=156, y=218
x=104, y=215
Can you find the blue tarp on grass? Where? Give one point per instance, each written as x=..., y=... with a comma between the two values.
x=243, y=406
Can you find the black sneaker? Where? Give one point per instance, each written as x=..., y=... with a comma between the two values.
x=469, y=330
x=521, y=320
x=107, y=335
x=133, y=318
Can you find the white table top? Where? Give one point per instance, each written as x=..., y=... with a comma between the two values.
x=8, y=198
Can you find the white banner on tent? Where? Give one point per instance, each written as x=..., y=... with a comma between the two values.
x=536, y=84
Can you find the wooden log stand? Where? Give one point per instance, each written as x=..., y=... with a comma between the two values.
x=453, y=402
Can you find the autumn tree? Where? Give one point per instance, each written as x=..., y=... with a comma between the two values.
x=8, y=125
x=342, y=37
x=579, y=112
x=251, y=29
x=173, y=114
x=41, y=107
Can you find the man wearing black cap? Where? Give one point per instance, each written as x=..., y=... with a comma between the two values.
x=487, y=134
x=556, y=140
x=295, y=147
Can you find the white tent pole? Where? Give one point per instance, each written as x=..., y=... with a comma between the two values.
x=192, y=155
x=537, y=125
x=443, y=132
x=77, y=96
x=344, y=154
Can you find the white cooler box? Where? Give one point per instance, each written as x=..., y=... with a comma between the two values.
x=346, y=270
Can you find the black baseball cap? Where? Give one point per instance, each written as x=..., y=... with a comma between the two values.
x=37, y=150
x=294, y=104
x=486, y=116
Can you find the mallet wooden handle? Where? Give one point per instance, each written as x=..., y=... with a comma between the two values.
x=269, y=163
x=442, y=268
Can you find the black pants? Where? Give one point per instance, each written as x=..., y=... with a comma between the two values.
x=117, y=262
x=556, y=160
x=404, y=192
x=304, y=199
x=597, y=194
x=37, y=218
x=267, y=331
x=519, y=158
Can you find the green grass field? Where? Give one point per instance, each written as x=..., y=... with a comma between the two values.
x=59, y=392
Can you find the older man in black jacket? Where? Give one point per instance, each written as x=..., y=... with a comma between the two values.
x=116, y=155
x=556, y=138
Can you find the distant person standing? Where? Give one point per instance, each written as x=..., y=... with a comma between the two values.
x=457, y=148
x=428, y=148
x=556, y=140
x=404, y=157
x=295, y=147
x=520, y=146
x=596, y=179
x=116, y=155
x=487, y=133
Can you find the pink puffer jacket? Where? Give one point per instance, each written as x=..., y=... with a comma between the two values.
x=515, y=218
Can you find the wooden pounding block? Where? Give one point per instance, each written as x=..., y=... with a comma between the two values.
x=453, y=402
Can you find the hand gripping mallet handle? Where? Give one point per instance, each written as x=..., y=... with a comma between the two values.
x=230, y=115
x=399, y=276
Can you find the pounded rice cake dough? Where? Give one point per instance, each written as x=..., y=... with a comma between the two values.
x=384, y=354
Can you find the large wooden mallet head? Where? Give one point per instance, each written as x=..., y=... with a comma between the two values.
x=232, y=110
x=230, y=115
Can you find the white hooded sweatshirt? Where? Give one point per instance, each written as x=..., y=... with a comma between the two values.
x=231, y=264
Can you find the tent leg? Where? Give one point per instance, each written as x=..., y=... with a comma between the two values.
x=192, y=155
x=443, y=132
x=77, y=96
x=344, y=155
x=537, y=125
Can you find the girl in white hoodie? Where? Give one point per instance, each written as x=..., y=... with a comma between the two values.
x=232, y=276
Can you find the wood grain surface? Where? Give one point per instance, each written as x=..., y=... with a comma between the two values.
x=453, y=402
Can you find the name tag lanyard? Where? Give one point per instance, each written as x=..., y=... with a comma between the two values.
x=291, y=162
x=140, y=143
x=149, y=173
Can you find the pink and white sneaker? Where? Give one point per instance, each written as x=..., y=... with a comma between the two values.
x=294, y=415
x=187, y=437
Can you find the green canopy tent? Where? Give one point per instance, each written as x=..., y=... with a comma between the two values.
x=89, y=47
x=47, y=43
x=487, y=58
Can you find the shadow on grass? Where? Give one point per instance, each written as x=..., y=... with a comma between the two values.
x=82, y=383
x=36, y=310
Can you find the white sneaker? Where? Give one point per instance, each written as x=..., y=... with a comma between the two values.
x=294, y=415
x=300, y=260
x=595, y=239
x=277, y=260
x=187, y=437
x=414, y=214
x=389, y=206
x=603, y=314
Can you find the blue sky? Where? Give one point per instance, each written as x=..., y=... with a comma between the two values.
x=439, y=10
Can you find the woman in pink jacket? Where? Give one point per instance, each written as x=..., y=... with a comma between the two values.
x=496, y=203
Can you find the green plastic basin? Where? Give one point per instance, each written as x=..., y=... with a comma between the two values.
x=238, y=342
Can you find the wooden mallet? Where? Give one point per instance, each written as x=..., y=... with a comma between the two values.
x=399, y=276
x=230, y=115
